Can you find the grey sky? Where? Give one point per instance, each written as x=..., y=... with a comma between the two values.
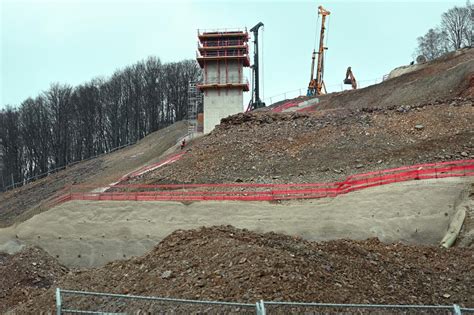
x=74, y=41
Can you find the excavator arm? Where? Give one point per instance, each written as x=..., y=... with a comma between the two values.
x=350, y=79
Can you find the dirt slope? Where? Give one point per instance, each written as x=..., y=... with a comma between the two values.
x=22, y=203
x=421, y=116
x=225, y=263
x=325, y=145
x=446, y=77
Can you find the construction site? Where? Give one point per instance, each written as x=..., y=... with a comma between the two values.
x=359, y=201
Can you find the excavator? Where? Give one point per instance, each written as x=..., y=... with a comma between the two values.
x=316, y=85
x=350, y=79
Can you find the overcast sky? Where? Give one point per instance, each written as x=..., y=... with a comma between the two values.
x=73, y=41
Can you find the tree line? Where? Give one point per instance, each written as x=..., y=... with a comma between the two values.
x=454, y=32
x=66, y=124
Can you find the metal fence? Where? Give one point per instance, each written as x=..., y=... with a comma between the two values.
x=81, y=302
x=25, y=181
x=332, y=88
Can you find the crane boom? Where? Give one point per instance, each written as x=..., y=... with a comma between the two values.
x=316, y=85
x=313, y=58
x=319, y=71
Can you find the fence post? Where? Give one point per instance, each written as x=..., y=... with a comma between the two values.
x=58, y=301
x=456, y=309
x=260, y=306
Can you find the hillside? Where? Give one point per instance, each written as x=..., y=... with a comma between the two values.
x=325, y=145
x=451, y=75
x=421, y=116
x=22, y=203
x=386, y=253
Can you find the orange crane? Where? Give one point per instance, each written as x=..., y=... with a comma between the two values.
x=316, y=85
x=350, y=79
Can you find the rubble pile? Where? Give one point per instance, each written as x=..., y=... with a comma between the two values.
x=229, y=264
x=266, y=147
x=25, y=275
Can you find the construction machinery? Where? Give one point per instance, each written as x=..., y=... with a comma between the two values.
x=350, y=79
x=316, y=84
x=255, y=102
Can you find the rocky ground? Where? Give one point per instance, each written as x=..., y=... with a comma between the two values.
x=26, y=275
x=229, y=264
x=328, y=145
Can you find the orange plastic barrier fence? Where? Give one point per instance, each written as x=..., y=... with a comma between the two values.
x=144, y=169
x=271, y=192
x=284, y=106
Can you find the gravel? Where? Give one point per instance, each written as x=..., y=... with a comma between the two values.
x=25, y=275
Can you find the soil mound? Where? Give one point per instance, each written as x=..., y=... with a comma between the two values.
x=25, y=275
x=225, y=263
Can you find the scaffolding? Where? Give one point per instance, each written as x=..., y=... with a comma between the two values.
x=195, y=101
x=222, y=56
x=218, y=49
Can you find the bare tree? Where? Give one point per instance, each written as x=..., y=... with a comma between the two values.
x=456, y=22
x=433, y=44
x=66, y=124
x=469, y=31
x=153, y=77
x=58, y=100
x=35, y=129
x=11, y=146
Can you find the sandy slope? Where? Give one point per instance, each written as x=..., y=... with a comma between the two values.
x=84, y=233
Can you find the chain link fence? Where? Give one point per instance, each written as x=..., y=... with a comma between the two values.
x=81, y=302
x=327, y=308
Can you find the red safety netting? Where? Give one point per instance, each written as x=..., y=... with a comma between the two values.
x=282, y=107
x=269, y=192
x=148, y=168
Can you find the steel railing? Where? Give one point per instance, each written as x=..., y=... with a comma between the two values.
x=83, y=302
